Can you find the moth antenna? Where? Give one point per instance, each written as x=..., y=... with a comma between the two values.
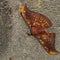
x=23, y=3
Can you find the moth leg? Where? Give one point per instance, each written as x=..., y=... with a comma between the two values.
x=29, y=34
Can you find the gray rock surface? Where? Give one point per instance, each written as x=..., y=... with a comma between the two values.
x=14, y=41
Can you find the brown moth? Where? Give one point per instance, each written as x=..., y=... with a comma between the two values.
x=38, y=24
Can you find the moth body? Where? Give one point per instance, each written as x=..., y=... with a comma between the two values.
x=38, y=24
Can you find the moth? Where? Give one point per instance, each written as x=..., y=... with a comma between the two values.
x=38, y=24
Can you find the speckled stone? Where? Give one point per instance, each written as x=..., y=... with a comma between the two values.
x=15, y=43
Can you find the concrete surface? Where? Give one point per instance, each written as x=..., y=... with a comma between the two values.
x=15, y=44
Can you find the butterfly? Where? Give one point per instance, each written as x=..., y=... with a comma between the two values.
x=38, y=24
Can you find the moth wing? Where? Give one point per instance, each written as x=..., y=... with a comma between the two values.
x=45, y=21
x=48, y=43
x=47, y=40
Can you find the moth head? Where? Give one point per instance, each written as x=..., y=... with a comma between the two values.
x=22, y=8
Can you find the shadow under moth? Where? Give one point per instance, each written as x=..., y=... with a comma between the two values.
x=38, y=24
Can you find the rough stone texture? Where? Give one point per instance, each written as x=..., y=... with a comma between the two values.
x=14, y=41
